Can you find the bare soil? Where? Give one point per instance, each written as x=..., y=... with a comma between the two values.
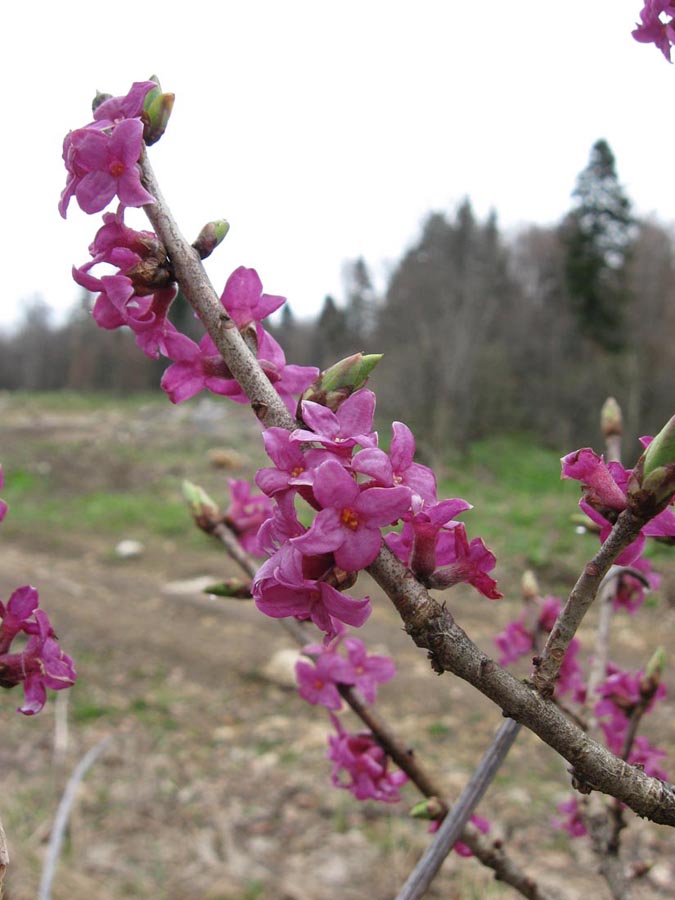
x=215, y=784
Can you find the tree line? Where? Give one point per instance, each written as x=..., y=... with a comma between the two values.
x=482, y=332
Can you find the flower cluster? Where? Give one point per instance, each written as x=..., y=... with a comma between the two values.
x=655, y=30
x=41, y=663
x=102, y=163
x=604, y=497
x=623, y=694
x=355, y=493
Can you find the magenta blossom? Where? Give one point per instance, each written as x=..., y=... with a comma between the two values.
x=572, y=821
x=339, y=431
x=515, y=641
x=398, y=467
x=318, y=680
x=482, y=825
x=289, y=584
x=350, y=520
x=244, y=300
x=368, y=670
x=102, y=165
x=41, y=664
x=652, y=30
x=130, y=106
x=365, y=765
x=246, y=514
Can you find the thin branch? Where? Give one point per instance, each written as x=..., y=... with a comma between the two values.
x=452, y=826
x=63, y=814
x=547, y=666
x=4, y=856
x=430, y=625
x=491, y=855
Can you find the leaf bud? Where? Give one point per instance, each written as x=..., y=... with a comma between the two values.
x=234, y=588
x=611, y=419
x=157, y=110
x=430, y=808
x=336, y=384
x=205, y=511
x=529, y=586
x=210, y=236
x=652, y=483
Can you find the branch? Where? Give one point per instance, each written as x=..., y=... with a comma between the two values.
x=429, y=624
x=4, y=856
x=62, y=815
x=452, y=826
x=491, y=855
x=547, y=666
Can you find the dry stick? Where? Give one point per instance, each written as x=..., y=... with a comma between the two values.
x=430, y=625
x=491, y=855
x=451, y=828
x=62, y=815
x=4, y=856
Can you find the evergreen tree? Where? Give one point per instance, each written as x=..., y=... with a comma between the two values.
x=597, y=234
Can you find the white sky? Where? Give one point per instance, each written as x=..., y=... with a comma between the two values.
x=323, y=131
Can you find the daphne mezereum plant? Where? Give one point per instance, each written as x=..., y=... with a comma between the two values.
x=334, y=503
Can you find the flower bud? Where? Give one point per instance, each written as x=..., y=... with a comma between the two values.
x=157, y=109
x=529, y=586
x=336, y=384
x=611, y=420
x=653, y=672
x=204, y=510
x=430, y=808
x=234, y=588
x=652, y=483
x=210, y=236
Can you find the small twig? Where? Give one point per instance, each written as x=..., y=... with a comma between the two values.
x=452, y=826
x=63, y=814
x=4, y=856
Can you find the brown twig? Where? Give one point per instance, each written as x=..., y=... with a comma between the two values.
x=430, y=625
x=489, y=854
x=547, y=666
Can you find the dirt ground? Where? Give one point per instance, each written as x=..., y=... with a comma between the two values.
x=214, y=784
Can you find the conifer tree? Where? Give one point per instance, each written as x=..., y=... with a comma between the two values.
x=597, y=234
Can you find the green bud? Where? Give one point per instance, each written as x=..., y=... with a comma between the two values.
x=234, y=588
x=611, y=420
x=430, y=808
x=210, y=236
x=652, y=483
x=157, y=110
x=656, y=666
x=205, y=511
x=336, y=384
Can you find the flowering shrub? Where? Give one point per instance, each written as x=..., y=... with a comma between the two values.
x=334, y=503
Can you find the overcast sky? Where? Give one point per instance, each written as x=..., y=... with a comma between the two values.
x=323, y=131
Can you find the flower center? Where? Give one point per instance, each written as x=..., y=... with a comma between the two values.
x=116, y=168
x=297, y=472
x=349, y=518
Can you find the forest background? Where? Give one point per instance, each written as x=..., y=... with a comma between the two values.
x=483, y=333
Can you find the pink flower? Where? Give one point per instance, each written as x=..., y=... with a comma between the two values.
x=368, y=670
x=339, y=431
x=350, y=520
x=246, y=514
x=244, y=300
x=572, y=822
x=398, y=467
x=318, y=680
x=102, y=165
x=41, y=664
x=652, y=30
x=290, y=584
x=482, y=825
x=515, y=641
x=366, y=766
